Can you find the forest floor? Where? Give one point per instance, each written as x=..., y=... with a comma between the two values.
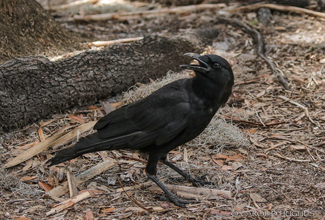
x=265, y=148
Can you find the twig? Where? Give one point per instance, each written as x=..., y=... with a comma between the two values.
x=151, y=13
x=290, y=159
x=298, y=10
x=70, y=202
x=110, y=42
x=131, y=197
x=198, y=191
x=251, y=122
x=300, y=106
x=260, y=47
x=71, y=183
x=83, y=177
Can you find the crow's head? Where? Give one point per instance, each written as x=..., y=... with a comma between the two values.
x=211, y=66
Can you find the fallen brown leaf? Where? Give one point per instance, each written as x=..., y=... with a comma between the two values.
x=45, y=186
x=220, y=156
x=257, y=198
x=236, y=158
x=226, y=168
x=219, y=162
x=89, y=215
x=27, y=178
x=77, y=119
x=110, y=209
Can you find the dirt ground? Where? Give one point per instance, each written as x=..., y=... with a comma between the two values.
x=272, y=161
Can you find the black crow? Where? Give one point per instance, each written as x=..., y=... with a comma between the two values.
x=169, y=117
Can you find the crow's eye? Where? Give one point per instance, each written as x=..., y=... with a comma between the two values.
x=216, y=66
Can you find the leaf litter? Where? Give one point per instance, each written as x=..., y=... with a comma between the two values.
x=274, y=166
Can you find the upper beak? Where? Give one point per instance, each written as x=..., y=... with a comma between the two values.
x=202, y=67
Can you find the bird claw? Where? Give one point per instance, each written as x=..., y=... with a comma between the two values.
x=177, y=201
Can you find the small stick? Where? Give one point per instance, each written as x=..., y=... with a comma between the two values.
x=83, y=177
x=298, y=10
x=260, y=47
x=110, y=42
x=71, y=183
x=301, y=106
x=290, y=159
x=199, y=191
x=131, y=197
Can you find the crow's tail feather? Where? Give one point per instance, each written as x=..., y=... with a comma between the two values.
x=88, y=144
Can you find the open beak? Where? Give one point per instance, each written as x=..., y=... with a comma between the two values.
x=202, y=67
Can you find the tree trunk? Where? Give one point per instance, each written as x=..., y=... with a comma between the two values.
x=34, y=87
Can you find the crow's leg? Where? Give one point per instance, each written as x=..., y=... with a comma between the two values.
x=187, y=176
x=151, y=171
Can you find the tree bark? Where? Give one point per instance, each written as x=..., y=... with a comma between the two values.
x=27, y=28
x=34, y=87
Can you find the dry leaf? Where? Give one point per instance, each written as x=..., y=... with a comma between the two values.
x=77, y=119
x=28, y=165
x=262, y=155
x=257, y=198
x=110, y=209
x=219, y=162
x=273, y=122
x=220, y=156
x=92, y=107
x=252, y=130
x=226, y=168
x=240, y=207
x=298, y=147
x=237, y=97
x=45, y=186
x=117, y=104
x=27, y=178
x=89, y=215
x=236, y=165
x=108, y=107
x=235, y=158
x=41, y=134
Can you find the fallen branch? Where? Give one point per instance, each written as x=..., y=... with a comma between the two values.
x=147, y=14
x=290, y=159
x=195, y=191
x=70, y=202
x=260, y=47
x=83, y=177
x=297, y=10
x=110, y=42
x=251, y=122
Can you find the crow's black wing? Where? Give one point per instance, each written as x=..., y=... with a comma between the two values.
x=156, y=119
